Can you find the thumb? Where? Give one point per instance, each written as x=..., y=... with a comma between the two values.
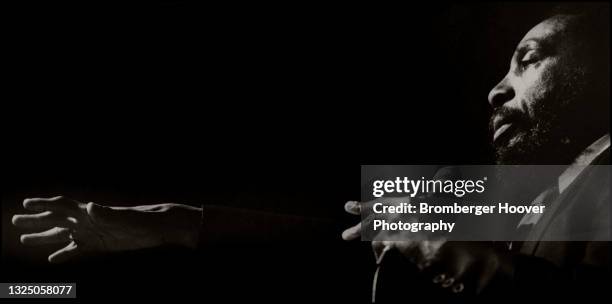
x=353, y=207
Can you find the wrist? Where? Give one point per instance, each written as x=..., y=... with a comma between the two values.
x=183, y=225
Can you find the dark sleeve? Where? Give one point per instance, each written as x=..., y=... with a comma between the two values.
x=226, y=224
x=537, y=275
x=530, y=278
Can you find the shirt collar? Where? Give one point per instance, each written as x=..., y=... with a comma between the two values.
x=584, y=159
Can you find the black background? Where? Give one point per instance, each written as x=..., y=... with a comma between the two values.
x=268, y=107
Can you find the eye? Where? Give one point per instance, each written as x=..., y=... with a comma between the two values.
x=529, y=57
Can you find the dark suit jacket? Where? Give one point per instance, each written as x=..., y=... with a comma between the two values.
x=582, y=212
x=541, y=269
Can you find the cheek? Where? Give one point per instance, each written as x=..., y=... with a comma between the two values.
x=537, y=85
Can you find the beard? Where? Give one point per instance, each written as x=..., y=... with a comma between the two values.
x=548, y=136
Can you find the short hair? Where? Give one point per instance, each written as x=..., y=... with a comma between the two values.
x=591, y=22
x=589, y=28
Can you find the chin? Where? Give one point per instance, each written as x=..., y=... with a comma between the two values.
x=523, y=149
x=515, y=151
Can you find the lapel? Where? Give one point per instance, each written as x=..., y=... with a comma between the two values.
x=562, y=202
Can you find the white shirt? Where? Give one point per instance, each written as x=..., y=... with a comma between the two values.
x=584, y=159
x=570, y=174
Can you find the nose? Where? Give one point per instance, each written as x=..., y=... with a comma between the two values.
x=501, y=93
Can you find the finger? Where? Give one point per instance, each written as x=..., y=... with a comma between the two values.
x=377, y=246
x=43, y=220
x=449, y=269
x=58, y=204
x=457, y=262
x=65, y=254
x=353, y=207
x=428, y=250
x=459, y=269
x=352, y=233
x=51, y=236
x=461, y=277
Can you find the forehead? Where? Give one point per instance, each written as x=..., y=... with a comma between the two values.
x=548, y=30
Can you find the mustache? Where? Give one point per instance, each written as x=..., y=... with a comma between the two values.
x=506, y=114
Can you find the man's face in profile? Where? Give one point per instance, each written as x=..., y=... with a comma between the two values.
x=532, y=104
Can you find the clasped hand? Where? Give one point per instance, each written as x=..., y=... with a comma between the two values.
x=457, y=267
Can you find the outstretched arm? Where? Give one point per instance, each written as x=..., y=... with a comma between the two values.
x=90, y=227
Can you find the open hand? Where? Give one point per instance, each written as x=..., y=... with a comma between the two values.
x=87, y=228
